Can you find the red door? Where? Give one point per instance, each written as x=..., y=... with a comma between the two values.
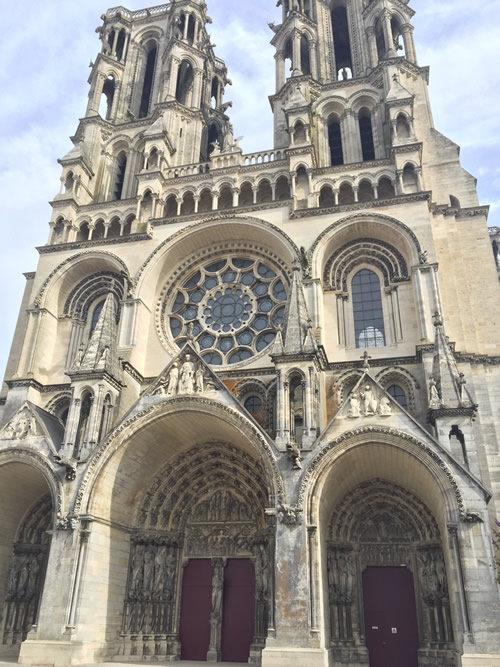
x=390, y=617
x=196, y=608
x=238, y=614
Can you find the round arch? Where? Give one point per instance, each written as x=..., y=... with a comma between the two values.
x=368, y=225
x=70, y=272
x=197, y=237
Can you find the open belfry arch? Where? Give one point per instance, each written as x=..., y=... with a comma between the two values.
x=250, y=414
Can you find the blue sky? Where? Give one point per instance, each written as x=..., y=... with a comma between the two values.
x=46, y=49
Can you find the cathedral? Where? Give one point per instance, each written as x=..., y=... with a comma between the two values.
x=251, y=409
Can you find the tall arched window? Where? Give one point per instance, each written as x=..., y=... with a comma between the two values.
x=83, y=423
x=335, y=142
x=147, y=87
x=341, y=37
x=366, y=134
x=107, y=98
x=369, y=327
x=296, y=407
x=305, y=57
x=185, y=80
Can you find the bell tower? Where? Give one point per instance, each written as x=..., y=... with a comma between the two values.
x=340, y=58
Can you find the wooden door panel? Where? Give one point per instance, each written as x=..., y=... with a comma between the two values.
x=196, y=608
x=238, y=615
x=390, y=617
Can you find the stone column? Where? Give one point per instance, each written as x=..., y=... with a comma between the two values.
x=174, y=70
x=297, y=60
x=387, y=28
x=294, y=643
x=215, y=200
x=407, y=31
x=422, y=305
x=198, y=75
x=372, y=46
x=280, y=70
x=313, y=55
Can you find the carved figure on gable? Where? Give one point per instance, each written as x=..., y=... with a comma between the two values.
x=200, y=380
x=370, y=403
x=22, y=426
x=187, y=377
x=173, y=380
x=385, y=407
x=305, y=263
x=353, y=406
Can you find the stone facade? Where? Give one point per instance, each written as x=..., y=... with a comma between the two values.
x=288, y=360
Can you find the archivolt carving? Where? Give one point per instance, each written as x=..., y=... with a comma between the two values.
x=385, y=434
x=73, y=260
x=91, y=288
x=383, y=255
x=202, y=224
x=378, y=511
x=183, y=491
x=367, y=217
x=30, y=457
x=125, y=430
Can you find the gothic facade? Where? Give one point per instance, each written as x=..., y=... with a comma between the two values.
x=250, y=413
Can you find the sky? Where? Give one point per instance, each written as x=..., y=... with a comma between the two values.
x=46, y=50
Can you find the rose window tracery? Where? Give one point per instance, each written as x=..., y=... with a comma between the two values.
x=231, y=308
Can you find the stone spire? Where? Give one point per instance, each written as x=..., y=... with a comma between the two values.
x=447, y=384
x=100, y=354
x=296, y=336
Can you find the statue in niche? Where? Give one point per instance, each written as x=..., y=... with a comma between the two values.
x=149, y=567
x=159, y=569
x=385, y=407
x=346, y=569
x=136, y=573
x=305, y=263
x=434, y=397
x=22, y=582
x=353, y=406
x=79, y=356
x=104, y=357
x=370, y=404
x=34, y=569
x=187, y=376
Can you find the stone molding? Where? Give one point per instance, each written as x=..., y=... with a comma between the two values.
x=357, y=436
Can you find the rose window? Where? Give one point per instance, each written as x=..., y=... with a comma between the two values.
x=231, y=308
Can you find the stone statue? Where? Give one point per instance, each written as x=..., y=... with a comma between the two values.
x=353, y=406
x=187, y=377
x=385, y=407
x=104, y=357
x=79, y=356
x=293, y=451
x=200, y=380
x=229, y=137
x=305, y=263
x=217, y=591
x=34, y=569
x=149, y=566
x=422, y=257
x=136, y=573
x=369, y=401
x=434, y=397
x=173, y=380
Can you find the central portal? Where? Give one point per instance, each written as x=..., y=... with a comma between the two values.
x=218, y=610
